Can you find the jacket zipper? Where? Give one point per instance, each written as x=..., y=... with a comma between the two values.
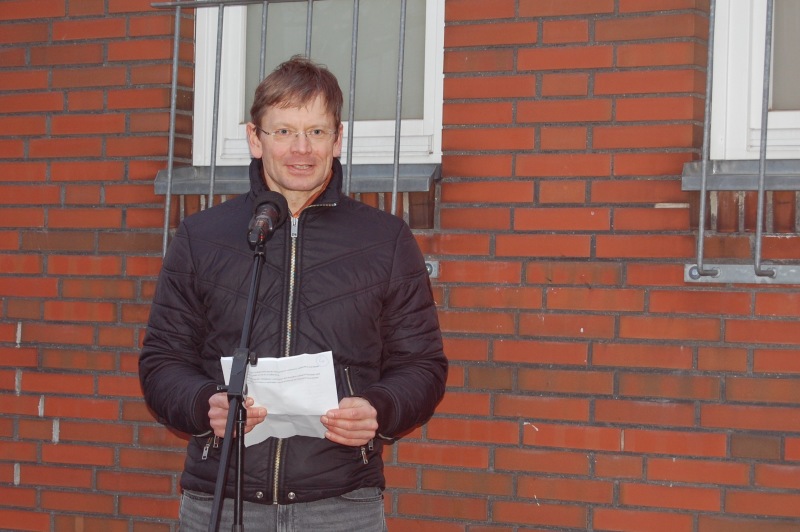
x=295, y=226
x=352, y=393
x=288, y=339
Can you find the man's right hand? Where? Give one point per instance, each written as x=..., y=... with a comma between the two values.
x=218, y=413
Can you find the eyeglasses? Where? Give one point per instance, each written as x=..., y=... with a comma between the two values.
x=283, y=135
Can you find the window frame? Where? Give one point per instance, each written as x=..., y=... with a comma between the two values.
x=373, y=141
x=739, y=35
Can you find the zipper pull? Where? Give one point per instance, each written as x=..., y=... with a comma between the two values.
x=364, y=455
x=216, y=442
x=294, y=227
x=206, y=447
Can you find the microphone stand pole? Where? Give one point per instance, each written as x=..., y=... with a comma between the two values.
x=237, y=390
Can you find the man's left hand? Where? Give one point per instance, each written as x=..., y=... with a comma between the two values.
x=354, y=423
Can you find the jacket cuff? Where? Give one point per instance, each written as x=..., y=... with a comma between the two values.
x=382, y=402
x=200, y=416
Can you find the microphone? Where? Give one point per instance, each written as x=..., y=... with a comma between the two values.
x=270, y=212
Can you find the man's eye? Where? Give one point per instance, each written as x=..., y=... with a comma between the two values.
x=316, y=133
x=282, y=132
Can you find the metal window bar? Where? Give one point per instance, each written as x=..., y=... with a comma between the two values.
x=740, y=273
x=221, y=5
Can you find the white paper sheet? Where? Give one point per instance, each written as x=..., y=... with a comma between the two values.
x=296, y=391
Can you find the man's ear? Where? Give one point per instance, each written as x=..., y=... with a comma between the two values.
x=254, y=141
x=337, y=146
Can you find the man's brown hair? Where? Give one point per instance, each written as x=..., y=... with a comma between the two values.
x=295, y=83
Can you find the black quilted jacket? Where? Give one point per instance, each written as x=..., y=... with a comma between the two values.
x=360, y=290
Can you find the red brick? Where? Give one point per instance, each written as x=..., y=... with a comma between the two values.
x=557, y=246
x=21, y=9
x=675, y=443
x=66, y=54
x=577, y=326
x=36, y=475
x=690, y=387
x=63, y=453
x=490, y=34
x=541, y=352
x=671, y=218
x=558, y=515
x=564, y=165
x=573, y=437
x=80, y=502
x=489, y=87
x=75, y=218
x=777, y=304
x=454, y=244
x=86, y=265
x=763, y=390
x=60, y=334
x=479, y=272
x=561, y=191
x=471, y=508
x=464, y=404
x=650, y=246
x=488, y=192
x=762, y=331
x=651, y=27
x=556, y=111
x=477, y=113
x=476, y=166
x=87, y=170
x=66, y=147
x=554, y=8
x=650, y=164
x=473, y=483
x=28, y=286
x=22, y=171
x=669, y=328
x=439, y=454
x=117, y=386
x=507, y=138
x=495, y=297
x=496, y=60
x=477, y=322
x=565, y=58
x=111, y=481
x=646, y=136
x=86, y=124
x=29, y=80
x=21, y=33
x=562, y=138
x=618, y=466
x=138, y=99
x=562, y=219
x=570, y=273
x=474, y=430
x=478, y=10
x=762, y=503
x=643, y=413
x=78, y=431
x=565, y=84
x=478, y=218
x=541, y=461
x=565, y=31
x=697, y=471
x=642, y=355
x=746, y=417
x=652, y=274
x=33, y=102
x=594, y=299
x=714, y=523
x=466, y=349
x=648, y=82
x=776, y=361
x=538, y=408
x=638, y=520
x=570, y=490
x=699, y=499
x=554, y=381
x=700, y=302
x=57, y=383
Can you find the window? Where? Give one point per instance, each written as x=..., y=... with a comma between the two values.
x=739, y=46
x=378, y=38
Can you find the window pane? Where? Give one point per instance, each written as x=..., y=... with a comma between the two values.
x=378, y=37
x=785, y=70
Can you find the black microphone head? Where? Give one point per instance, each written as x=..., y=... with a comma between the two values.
x=277, y=201
x=269, y=213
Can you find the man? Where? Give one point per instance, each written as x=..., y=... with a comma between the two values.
x=339, y=276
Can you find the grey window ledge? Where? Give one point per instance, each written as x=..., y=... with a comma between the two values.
x=235, y=179
x=780, y=174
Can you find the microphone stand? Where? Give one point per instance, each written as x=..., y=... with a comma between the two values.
x=237, y=389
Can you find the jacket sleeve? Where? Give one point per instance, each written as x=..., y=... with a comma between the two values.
x=174, y=383
x=413, y=365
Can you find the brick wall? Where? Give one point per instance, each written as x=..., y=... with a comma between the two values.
x=590, y=387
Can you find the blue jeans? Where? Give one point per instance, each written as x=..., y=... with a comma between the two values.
x=360, y=510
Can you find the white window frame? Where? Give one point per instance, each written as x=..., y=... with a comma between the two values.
x=373, y=141
x=739, y=33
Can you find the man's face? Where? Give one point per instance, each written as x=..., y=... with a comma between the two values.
x=296, y=166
